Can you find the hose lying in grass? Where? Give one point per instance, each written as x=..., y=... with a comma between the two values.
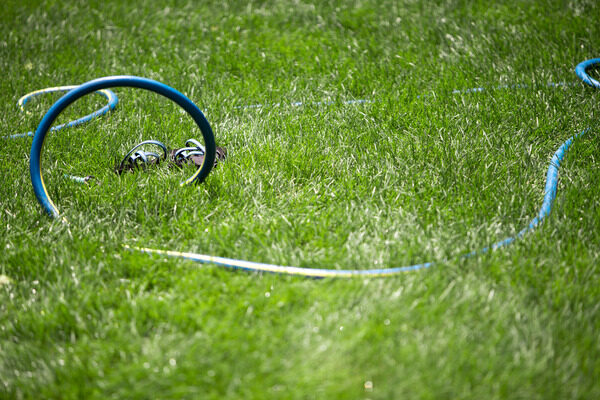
x=103, y=84
x=110, y=96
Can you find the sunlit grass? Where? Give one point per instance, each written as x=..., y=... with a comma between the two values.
x=416, y=174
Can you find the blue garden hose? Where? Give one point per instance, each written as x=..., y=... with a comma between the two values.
x=110, y=96
x=184, y=102
x=581, y=71
x=35, y=165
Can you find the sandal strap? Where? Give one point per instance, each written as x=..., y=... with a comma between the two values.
x=194, y=154
x=133, y=157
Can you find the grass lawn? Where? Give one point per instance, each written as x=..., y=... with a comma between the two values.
x=417, y=174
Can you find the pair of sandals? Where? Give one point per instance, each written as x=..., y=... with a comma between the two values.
x=192, y=153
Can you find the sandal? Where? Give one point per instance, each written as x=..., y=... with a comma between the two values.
x=140, y=158
x=193, y=153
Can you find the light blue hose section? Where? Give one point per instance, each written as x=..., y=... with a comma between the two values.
x=549, y=196
x=109, y=94
x=581, y=71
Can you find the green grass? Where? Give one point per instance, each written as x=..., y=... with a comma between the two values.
x=399, y=181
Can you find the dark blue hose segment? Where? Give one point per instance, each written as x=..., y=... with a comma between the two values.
x=109, y=94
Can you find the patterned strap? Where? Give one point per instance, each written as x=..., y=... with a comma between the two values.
x=134, y=158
